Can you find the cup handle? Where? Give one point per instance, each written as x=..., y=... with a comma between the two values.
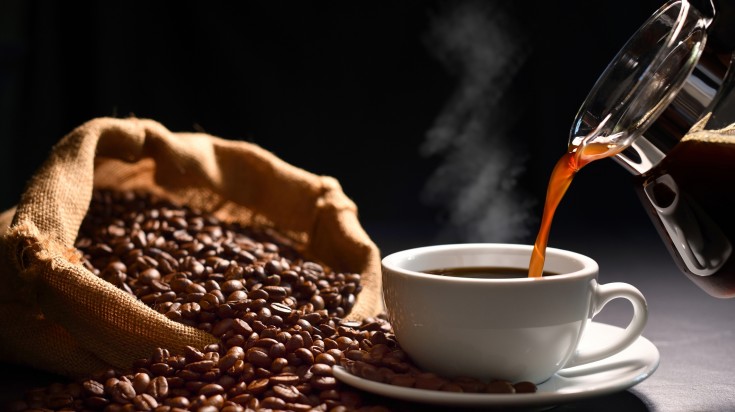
x=601, y=296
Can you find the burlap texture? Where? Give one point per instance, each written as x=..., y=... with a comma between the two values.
x=57, y=316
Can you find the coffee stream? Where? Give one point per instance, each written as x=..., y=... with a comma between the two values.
x=561, y=177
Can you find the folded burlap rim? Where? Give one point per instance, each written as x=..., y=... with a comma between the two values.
x=58, y=316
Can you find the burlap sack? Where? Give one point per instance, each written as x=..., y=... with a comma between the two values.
x=57, y=316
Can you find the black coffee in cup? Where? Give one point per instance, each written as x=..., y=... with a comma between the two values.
x=484, y=272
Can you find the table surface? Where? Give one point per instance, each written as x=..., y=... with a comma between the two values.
x=694, y=333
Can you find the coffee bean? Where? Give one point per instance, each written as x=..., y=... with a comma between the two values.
x=149, y=275
x=285, y=379
x=265, y=342
x=356, y=354
x=280, y=309
x=158, y=387
x=294, y=342
x=207, y=408
x=324, y=382
x=180, y=402
x=227, y=362
x=140, y=382
x=277, y=350
x=122, y=392
x=321, y=369
x=211, y=390
x=273, y=402
x=242, y=327
x=258, y=386
x=221, y=327
x=144, y=402
x=96, y=402
x=287, y=393
x=242, y=399
x=305, y=355
x=325, y=358
x=59, y=400
x=278, y=365
x=160, y=369
x=93, y=388
x=258, y=357
x=470, y=384
x=500, y=387
x=233, y=285
x=201, y=366
x=525, y=387
x=275, y=292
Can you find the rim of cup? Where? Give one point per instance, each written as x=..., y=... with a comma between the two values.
x=395, y=261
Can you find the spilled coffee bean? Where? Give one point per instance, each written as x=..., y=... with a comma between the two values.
x=381, y=359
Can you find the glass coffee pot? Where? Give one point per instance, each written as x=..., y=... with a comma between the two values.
x=666, y=104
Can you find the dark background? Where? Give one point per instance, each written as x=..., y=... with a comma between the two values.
x=346, y=89
x=350, y=90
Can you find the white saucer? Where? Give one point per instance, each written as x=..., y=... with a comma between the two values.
x=613, y=374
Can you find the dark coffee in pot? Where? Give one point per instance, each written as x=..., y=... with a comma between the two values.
x=691, y=200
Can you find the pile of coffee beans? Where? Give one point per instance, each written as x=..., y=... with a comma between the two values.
x=277, y=316
x=186, y=264
x=382, y=360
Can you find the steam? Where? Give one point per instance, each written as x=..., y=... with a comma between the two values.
x=477, y=180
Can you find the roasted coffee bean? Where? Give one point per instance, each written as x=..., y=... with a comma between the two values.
x=258, y=357
x=59, y=400
x=305, y=355
x=323, y=382
x=160, y=369
x=280, y=309
x=158, y=387
x=273, y=402
x=278, y=365
x=275, y=292
x=525, y=387
x=211, y=390
x=500, y=387
x=285, y=379
x=93, y=388
x=242, y=399
x=96, y=402
x=144, y=402
x=385, y=361
x=122, y=392
x=140, y=382
x=258, y=386
x=228, y=361
x=356, y=354
x=287, y=393
x=200, y=366
x=223, y=326
x=325, y=358
x=181, y=402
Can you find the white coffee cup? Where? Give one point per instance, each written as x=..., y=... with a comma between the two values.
x=518, y=329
